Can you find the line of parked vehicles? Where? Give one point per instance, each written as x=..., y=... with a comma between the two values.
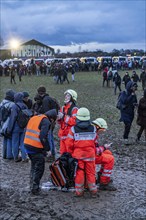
x=94, y=60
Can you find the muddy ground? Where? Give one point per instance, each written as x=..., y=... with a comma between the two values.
x=129, y=174
x=127, y=203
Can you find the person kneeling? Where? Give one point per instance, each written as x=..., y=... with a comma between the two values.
x=105, y=158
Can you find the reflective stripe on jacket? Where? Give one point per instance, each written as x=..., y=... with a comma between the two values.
x=82, y=144
x=68, y=120
x=32, y=133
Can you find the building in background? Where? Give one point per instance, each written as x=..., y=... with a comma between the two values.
x=32, y=48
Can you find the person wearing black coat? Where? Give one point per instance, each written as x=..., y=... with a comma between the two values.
x=117, y=82
x=141, y=118
x=143, y=79
x=126, y=78
x=47, y=103
x=135, y=77
x=27, y=101
x=129, y=101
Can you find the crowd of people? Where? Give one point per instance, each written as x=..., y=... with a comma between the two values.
x=77, y=133
x=113, y=78
x=59, y=70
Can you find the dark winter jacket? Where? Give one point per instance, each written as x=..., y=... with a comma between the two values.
x=117, y=79
x=13, y=125
x=143, y=76
x=8, y=102
x=126, y=79
x=135, y=77
x=47, y=104
x=141, y=119
x=130, y=101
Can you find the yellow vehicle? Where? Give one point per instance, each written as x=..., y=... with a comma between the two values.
x=104, y=59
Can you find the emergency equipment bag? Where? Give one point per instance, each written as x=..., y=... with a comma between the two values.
x=23, y=117
x=63, y=171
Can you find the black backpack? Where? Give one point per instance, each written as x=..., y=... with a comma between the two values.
x=70, y=165
x=4, y=112
x=119, y=104
x=23, y=117
x=55, y=104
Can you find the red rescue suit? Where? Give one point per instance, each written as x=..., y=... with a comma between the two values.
x=81, y=144
x=69, y=119
x=106, y=159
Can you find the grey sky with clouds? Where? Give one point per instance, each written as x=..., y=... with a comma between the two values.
x=101, y=24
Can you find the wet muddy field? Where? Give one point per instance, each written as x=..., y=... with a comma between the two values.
x=129, y=174
x=127, y=203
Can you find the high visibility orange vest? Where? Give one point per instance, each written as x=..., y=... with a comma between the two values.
x=32, y=133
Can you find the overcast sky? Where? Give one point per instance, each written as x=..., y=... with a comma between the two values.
x=76, y=25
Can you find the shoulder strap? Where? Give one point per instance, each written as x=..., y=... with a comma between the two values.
x=71, y=108
x=18, y=106
x=3, y=104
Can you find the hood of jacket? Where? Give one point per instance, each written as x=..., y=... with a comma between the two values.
x=129, y=85
x=18, y=97
x=82, y=124
x=51, y=114
x=10, y=95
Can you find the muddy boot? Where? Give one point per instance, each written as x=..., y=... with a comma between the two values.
x=78, y=195
x=109, y=187
x=36, y=192
x=18, y=159
x=94, y=195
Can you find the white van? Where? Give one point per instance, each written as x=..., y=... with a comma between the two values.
x=13, y=62
x=88, y=60
x=119, y=59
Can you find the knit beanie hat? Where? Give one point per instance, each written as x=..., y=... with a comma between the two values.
x=41, y=90
x=25, y=94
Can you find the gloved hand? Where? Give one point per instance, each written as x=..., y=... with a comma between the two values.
x=60, y=115
x=107, y=146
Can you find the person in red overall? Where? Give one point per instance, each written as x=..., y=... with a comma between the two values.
x=105, y=158
x=81, y=144
x=67, y=118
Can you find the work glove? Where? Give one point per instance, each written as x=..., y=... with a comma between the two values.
x=99, y=150
x=60, y=115
x=107, y=146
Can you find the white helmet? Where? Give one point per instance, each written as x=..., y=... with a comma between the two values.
x=100, y=122
x=83, y=114
x=72, y=93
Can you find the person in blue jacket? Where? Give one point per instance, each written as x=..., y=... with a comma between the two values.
x=14, y=130
x=7, y=103
x=129, y=102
